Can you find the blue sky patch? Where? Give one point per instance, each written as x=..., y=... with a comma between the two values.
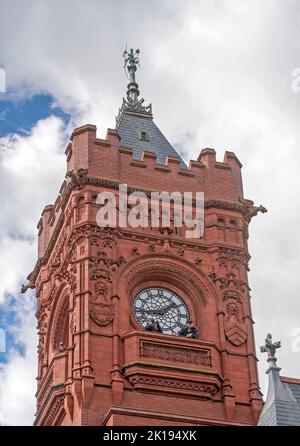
x=21, y=116
x=8, y=323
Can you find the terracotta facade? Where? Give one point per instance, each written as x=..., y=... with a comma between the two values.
x=97, y=365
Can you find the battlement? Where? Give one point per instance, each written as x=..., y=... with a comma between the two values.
x=110, y=159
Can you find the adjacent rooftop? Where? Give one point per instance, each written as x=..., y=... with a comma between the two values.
x=282, y=407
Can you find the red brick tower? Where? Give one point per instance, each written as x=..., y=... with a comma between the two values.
x=97, y=363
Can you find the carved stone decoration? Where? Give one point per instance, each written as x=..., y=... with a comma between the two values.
x=101, y=308
x=103, y=264
x=78, y=177
x=235, y=329
x=170, y=385
x=231, y=294
x=57, y=406
x=135, y=252
x=233, y=311
x=42, y=316
x=101, y=290
x=252, y=210
x=28, y=285
x=174, y=354
x=231, y=254
x=93, y=232
x=236, y=334
x=148, y=268
x=154, y=245
x=45, y=389
x=198, y=261
x=102, y=258
x=69, y=274
x=101, y=313
x=100, y=274
x=228, y=281
x=180, y=251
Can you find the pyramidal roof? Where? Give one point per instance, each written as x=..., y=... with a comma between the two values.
x=135, y=121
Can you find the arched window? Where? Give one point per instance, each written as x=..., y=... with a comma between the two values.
x=60, y=339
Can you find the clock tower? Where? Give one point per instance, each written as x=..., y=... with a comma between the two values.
x=99, y=288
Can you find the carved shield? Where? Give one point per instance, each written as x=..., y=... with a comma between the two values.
x=236, y=333
x=101, y=313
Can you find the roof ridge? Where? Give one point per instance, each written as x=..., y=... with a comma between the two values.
x=287, y=379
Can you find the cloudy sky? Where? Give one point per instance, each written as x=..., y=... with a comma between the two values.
x=219, y=74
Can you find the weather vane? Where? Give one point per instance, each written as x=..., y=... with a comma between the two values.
x=132, y=103
x=131, y=60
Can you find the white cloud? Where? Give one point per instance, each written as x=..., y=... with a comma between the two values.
x=29, y=168
x=218, y=74
x=31, y=171
x=17, y=383
x=25, y=162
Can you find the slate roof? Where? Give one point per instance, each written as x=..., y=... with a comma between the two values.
x=130, y=126
x=282, y=407
x=294, y=385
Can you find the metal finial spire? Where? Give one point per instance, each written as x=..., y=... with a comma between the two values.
x=131, y=60
x=133, y=104
x=270, y=348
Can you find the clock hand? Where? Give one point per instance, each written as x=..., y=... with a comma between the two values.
x=152, y=312
x=160, y=312
x=166, y=309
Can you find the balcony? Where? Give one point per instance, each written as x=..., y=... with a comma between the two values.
x=172, y=364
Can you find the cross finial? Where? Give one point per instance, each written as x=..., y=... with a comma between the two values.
x=270, y=348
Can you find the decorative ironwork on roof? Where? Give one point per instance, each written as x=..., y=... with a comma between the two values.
x=135, y=121
x=132, y=104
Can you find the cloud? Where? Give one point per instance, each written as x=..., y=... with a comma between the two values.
x=17, y=383
x=218, y=74
x=29, y=168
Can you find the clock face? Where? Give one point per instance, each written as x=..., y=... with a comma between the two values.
x=162, y=305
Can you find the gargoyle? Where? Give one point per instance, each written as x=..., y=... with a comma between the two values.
x=77, y=176
x=252, y=210
x=24, y=288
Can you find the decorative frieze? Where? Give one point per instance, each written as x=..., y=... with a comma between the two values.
x=187, y=356
x=171, y=385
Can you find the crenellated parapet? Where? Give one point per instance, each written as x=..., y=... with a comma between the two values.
x=108, y=158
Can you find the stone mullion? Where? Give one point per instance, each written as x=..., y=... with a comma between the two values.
x=117, y=380
x=70, y=340
x=77, y=314
x=227, y=388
